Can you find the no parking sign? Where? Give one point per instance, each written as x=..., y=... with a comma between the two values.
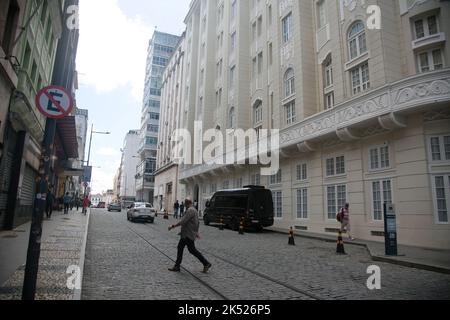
x=54, y=102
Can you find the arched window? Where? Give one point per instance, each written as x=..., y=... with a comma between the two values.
x=289, y=82
x=357, y=40
x=232, y=119
x=257, y=113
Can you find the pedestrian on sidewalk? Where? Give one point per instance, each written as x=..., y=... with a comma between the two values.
x=189, y=233
x=182, y=209
x=85, y=204
x=67, y=200
x=344, y=218
x=176, y=207
x=78, y=203
x=49, y=203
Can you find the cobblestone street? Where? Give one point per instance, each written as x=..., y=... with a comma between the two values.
x=129, y=261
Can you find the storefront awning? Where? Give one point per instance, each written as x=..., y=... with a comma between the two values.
x=66, y=140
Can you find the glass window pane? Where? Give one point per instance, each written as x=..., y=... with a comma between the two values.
x=432, y=25
x=340, y=165
x=419, y=29
x=423, y=60
x=385, y=162
x=441, y=200
x=447, y=147
x=341, y=196
x=330, y=167
x=374, y=164
x=331, y=201
x=435, y=149
x=437, y=59
x=377, y=206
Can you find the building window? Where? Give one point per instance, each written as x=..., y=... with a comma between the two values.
x=379, y=158
x=302, y=172
x=302, y=204
x=232, y=119
x=287, y=28
x=289, y=83
x=8, y=26
x=430, y=60
x=329, y=100
x=336, y=199
x=226, y=185
x=357, y=40
x=259, y=26
x=442, y=196
x=328, y=72
x=255, y=179
x=151, y=141
x=382, y=193
x=233, y=42
x=232, y=77
x=290, y=111
x=278, y=204
x=321, y=14
x=335, y=166
x=440, y=148
x=276, y=178
x=257, y=113
x=233, y=10
x=238, y=183
x=426, y=27
x=360, y=78
x=154, y=116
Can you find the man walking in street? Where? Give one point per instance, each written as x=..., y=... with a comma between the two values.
x=189, y=233
x=344, y=216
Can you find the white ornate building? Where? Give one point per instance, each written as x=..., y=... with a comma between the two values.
x=363, y=112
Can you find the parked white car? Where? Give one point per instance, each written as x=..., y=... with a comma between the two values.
x=141, y=211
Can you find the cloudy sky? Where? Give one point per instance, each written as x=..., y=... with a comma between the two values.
x=114, y=36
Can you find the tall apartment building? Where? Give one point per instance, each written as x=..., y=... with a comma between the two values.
x=130, y=161
x=167, y=186
x=363, y=112
x=160, y=49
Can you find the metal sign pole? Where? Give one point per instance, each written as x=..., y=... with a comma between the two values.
x=34, y=245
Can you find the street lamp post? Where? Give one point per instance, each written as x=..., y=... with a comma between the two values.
x=89, y=153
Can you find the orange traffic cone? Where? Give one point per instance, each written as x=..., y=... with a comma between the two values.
x=241, y=226
x=340, y=244
x=221, y=224
x=291, y=237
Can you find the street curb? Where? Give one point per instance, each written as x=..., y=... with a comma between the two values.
x=374, y=257
x=77, y=293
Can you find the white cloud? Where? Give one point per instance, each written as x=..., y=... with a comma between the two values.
x=107, y=152
x=113, y=47
x=101, y=181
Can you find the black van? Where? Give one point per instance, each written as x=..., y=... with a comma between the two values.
x=253, y=203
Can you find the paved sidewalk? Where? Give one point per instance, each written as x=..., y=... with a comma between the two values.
x=414, y=257
x=63, y=245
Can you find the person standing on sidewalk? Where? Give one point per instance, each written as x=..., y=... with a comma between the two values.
x=189, y=233
x=344, y=218
x=49, y=203
x=182, y=210
x=176, y=207
x=67, y=200
x=85, y=204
